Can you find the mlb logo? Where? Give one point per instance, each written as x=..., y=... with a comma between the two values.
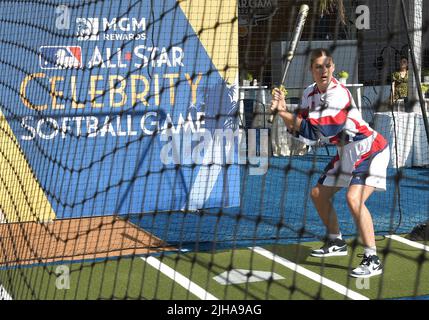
x=87, y=29
x=60, y=57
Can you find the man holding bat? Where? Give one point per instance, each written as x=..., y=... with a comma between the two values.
x=328, y=114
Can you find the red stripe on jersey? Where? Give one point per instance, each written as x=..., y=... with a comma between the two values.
x=339, y=119
x=377, y=145
x=362, y=129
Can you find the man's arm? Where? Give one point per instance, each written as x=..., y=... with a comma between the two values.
x=278, y=103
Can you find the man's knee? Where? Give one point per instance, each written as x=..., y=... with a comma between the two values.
x=354, y=201
x=315, y=194
x=318, y=194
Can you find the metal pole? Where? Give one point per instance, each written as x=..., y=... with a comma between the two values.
x=416, y=74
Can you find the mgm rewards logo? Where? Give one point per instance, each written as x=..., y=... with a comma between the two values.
x=252, y=12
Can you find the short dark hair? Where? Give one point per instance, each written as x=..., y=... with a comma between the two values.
x=319, y=52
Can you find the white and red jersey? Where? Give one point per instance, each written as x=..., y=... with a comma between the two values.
x=333, y=117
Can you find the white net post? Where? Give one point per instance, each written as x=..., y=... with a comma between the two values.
x=415, y=11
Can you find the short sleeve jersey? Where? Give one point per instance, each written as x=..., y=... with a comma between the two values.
x=332, y=116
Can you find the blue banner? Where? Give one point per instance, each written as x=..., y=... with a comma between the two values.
x=118, y=107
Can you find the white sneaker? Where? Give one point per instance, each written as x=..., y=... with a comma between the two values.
x=369, y=267
x=331, y=248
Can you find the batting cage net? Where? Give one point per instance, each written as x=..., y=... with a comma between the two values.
x=144, y=154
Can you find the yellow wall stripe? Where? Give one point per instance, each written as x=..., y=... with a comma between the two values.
x=21, y=196
x=217, y=19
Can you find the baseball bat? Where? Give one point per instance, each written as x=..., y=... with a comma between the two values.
x=299, y=27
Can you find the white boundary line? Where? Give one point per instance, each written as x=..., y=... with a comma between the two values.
x=4, y=295
x=310, y=274
x=180, y=279
x=409, y=242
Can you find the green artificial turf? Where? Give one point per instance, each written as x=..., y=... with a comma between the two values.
x=406, y=274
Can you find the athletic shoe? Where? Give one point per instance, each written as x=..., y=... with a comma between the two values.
x=369, y=267
x=331, y=248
